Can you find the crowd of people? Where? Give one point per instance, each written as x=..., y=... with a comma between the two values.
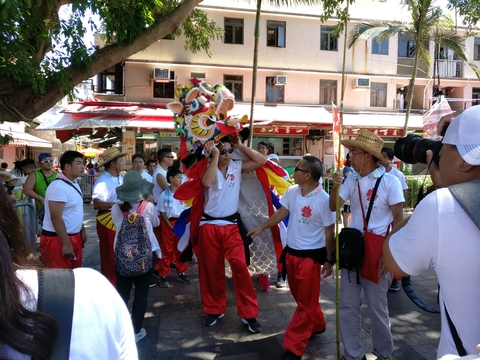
x=152, y=192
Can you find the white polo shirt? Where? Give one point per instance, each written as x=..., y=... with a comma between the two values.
x=157, y=190
x=308, y=217
x=221, y=199
x=105, y=186
x=399, y=175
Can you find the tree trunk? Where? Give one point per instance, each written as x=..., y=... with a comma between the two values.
x=18, y=102
x=254, y=70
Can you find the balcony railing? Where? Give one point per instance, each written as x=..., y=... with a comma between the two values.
x=450, y=68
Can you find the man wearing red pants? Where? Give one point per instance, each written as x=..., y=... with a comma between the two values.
x=219, y=235
x=309, y=244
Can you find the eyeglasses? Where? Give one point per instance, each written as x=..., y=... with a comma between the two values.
x=46, y=161
x=224, y=151
x=298, y=169
x=353, y=153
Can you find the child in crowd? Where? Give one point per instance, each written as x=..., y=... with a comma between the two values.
x=170, y=210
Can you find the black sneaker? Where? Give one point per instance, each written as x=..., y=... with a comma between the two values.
x=290, y=356
x=184, y=278
x=394, y=286
x=253, y=325
x=281, y=283
x=173, y=266
x=156, y=274
x=211, y=320
x=152, y=284
x=163, y=282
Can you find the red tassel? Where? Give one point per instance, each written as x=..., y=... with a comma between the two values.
x=264, y=282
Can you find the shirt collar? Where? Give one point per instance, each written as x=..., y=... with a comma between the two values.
x=375, y=174
x=62, y=176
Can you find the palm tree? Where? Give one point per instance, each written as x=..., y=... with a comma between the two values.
x=428, y=23
x=276, y=3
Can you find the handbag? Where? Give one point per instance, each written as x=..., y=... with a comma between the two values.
x=372, y=242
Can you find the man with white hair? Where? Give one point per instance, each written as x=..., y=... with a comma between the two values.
x=443, y=235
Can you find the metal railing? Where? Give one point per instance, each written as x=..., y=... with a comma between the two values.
x=27, y=210
x=86, y=183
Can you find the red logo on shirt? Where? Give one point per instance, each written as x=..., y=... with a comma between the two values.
x=232, y=177
x=306, y=212
x=369, y=194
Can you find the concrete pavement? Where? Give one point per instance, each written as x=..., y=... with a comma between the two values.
x=174, y=320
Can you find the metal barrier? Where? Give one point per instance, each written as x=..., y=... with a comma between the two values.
x=27, y=211
x=86, y=185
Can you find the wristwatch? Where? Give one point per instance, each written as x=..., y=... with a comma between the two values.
x=331, y=261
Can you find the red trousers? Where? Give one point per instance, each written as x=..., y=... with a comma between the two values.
x=106, y=238
x=216, y=243
x=51, y=252
x=170, y=254
x=304, y=280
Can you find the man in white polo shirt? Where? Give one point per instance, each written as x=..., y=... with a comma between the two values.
x=63, y=234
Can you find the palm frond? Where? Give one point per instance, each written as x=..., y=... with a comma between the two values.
x=376, y=29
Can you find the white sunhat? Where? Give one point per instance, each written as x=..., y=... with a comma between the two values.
x=464, y=133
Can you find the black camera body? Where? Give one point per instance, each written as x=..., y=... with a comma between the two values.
x=413, y=148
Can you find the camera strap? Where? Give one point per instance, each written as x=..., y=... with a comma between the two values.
x=467, y=195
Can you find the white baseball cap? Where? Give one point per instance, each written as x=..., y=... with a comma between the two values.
x=464, y=133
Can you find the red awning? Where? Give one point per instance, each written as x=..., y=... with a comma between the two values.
x=81, y=118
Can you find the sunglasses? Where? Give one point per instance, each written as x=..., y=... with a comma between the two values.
x=298, y=169
x=224, y=151
x=46, y=161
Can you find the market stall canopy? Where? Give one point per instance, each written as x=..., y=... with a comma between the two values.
x=26, y=139
x=82, y=118
x=91, y=152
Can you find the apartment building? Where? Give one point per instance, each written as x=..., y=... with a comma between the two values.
x=299, y=76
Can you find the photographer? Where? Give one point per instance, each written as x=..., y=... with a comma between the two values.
x=440, y=234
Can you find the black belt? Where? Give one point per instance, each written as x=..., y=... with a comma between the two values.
x=173, y=219
x=317, y=255
x=51, y=233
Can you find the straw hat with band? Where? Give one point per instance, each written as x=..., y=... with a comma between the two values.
x=110, y=154
x=368, y=142
x=134, y=188
x=5, y=176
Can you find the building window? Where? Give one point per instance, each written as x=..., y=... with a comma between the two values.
x=233, y=31
x=328, y=92
x=276, y=33
x=380, y=47
x=327, y=40
x=476, y=49
x=406, y=46
x=165, y=89
x=378, y=94
x=110, y=81
x=234, y=83
x=275, y=93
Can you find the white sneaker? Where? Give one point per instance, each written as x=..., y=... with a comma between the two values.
x=141, y=334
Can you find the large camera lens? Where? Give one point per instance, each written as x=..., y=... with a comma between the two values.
x=413, y=148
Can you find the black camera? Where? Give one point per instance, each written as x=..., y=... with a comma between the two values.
x=413, y=148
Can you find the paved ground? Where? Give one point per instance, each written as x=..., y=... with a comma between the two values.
x=174, y=320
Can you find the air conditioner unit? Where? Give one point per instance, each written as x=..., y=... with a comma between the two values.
x=280, y=79
x=161, y=74
x=361, y=83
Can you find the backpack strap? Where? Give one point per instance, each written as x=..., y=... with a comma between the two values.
x=56, y=296
x=467, y=194
x=140, y=209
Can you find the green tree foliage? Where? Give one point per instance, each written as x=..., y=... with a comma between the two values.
x=43, y=56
